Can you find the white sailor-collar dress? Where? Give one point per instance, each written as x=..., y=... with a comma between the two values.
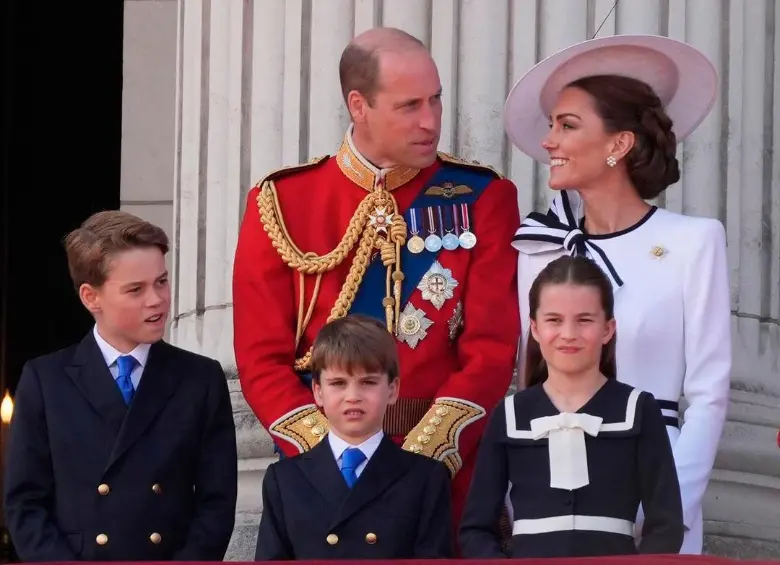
x=577, y=478
x=669, y=273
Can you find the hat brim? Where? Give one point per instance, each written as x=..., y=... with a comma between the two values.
x=683, y=78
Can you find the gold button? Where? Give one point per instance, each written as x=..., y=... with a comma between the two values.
x=103, y=489
x=371, y=538
x=415, y=448
x=309, y=421
x=156, y=488
x=423, y=438
x=318, y=430
x=155, y=538
x=429, y=430
x=435, y=421
x=101, y=539
x=442, y=411
x=332, y=539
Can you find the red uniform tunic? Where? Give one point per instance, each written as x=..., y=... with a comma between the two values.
x=450, y=380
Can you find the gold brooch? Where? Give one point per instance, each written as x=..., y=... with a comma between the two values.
x=658, y=252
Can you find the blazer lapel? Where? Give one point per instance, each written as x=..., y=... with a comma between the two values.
x=158, y=382
x=382, y=470
x=89, y=372
x=320, y=467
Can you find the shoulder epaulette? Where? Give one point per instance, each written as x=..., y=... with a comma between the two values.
x=290, y=169
x=447, y=158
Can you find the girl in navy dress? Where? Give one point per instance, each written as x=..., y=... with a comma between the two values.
x=580, y=449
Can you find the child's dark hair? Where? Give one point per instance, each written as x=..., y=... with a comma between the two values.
x=577, y=271
x=355, y=342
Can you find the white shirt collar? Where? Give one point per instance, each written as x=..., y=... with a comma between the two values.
x=377, y=172
x=368, y=447
x=110, y=353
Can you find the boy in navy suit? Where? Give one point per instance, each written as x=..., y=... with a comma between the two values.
x=356, y=494
x=122, y=447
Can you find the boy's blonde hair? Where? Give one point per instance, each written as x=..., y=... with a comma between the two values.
x=91, y=247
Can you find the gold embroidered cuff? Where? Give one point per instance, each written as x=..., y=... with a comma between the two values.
x=304, y=427
x=437, y=434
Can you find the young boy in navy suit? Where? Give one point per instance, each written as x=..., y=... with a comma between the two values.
x=356, y=494
x=122, y=447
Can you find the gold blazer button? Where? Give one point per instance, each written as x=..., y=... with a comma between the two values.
x=332, y=539
x=103, y=489
x=101, y=539
x=371, y=538
x=155, y=538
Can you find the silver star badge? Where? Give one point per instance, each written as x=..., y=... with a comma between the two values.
x=437, y=285
x=412, y=325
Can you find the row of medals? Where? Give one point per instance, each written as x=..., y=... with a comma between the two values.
x=433, y=243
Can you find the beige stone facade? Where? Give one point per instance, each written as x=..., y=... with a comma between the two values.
x=218, y=92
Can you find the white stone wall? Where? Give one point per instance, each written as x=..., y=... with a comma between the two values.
x=256, y=88
x=148, y=121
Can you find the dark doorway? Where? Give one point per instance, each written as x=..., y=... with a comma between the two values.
x=60, y=129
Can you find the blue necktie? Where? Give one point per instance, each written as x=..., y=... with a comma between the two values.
x=126, y=364
x=350, y=461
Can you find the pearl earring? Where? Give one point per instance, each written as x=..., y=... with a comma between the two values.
x=611, y=161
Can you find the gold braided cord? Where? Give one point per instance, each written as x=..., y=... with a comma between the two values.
x=303, y=320
x=273, y=223
x=358, y=230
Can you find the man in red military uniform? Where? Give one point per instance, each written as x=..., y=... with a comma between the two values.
x=390, y=228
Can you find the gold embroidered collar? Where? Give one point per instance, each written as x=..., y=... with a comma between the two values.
x=360, y=171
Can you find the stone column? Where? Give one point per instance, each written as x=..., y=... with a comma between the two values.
x=257, y=88
x=218, y=151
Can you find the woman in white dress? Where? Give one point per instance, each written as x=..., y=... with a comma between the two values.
x=607, y=115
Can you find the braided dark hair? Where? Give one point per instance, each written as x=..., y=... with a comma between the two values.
x=627, y=104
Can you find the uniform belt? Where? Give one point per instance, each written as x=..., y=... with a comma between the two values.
x=404, y=415
x=573, y=522
x=671, y=412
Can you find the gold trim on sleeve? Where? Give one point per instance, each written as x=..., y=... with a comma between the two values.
x=304, y=427
x=436, y=435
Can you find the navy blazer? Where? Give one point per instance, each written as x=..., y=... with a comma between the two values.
x=88, y=478
x=398, y=509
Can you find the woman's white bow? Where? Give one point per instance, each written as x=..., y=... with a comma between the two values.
x=566, y=444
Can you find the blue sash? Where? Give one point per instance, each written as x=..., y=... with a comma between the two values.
x=368, y=299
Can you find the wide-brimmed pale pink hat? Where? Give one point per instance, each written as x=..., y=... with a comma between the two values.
x=683, y=78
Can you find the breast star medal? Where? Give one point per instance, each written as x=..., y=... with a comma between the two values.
x=416, y=244
x=467, y=238
x=413, y=326
x=380, y=219
x=437, y=285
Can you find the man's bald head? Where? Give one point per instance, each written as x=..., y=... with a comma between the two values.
x=359, y=65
